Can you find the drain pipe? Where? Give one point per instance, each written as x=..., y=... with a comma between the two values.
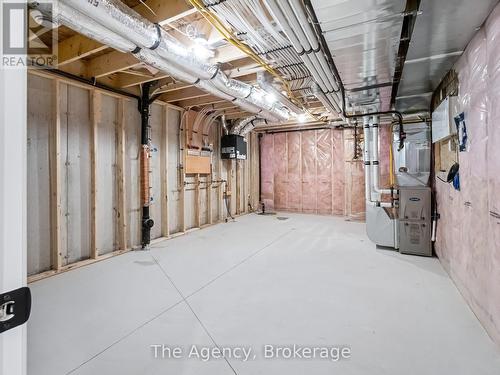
x=258, y=122
x=144, y=109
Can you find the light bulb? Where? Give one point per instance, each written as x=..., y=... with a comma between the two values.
x=202, y=52
x=302, y=118
x=271, y=98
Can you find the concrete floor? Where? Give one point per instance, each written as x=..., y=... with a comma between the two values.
x=313, y=281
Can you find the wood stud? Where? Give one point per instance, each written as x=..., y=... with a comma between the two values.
x=95, y=119
x=120, y=175
x=55, y=177
x=124, y=245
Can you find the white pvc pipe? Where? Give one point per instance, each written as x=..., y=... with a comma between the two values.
x=323, y=67
x=375, y=161
x=293, y=33
x=323, y=99
x=367, y=159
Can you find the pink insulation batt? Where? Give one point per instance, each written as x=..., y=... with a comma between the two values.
x=313, y=171
x=468, y=233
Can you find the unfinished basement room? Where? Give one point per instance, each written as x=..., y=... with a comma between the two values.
x=275, y=187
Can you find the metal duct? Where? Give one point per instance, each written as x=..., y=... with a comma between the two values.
x=149, y=57
x=224, y=124
x=263, y=81
x=84, y=25
x=168, y=55
x=241, y=123
x=145, y=34
x=252, y=125
x=236, y=88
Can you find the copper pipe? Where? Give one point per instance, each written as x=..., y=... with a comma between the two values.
x=145, y=168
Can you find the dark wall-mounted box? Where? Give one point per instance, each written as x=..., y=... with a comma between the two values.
x=233, y=147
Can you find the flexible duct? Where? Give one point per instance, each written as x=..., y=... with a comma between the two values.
x=263, y=81
x=252, y=125
x=84, y=25
x=121, y=19
x=224, y=124
x=241, y=123
x=159, y=50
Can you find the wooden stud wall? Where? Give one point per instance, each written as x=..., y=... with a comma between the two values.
x=236, y=174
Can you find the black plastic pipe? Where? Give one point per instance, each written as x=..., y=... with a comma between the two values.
x=260, y=167
x=144, y=109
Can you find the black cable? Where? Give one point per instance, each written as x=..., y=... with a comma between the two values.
x=439, y=178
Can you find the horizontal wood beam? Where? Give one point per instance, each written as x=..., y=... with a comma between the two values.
x=130, y=81
x=77, y=47
x=183, y=94
x=111, y=63
x=205, y=100
x=237, y=115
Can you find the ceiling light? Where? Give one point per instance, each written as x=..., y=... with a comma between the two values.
x=271, y=98
x=302, y=118
x=202, y=52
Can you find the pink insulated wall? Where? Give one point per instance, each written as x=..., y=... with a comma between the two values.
x=313, y=171
x=468, y=237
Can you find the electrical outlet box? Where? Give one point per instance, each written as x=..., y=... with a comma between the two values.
x=233, y=147
x=443, y=119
